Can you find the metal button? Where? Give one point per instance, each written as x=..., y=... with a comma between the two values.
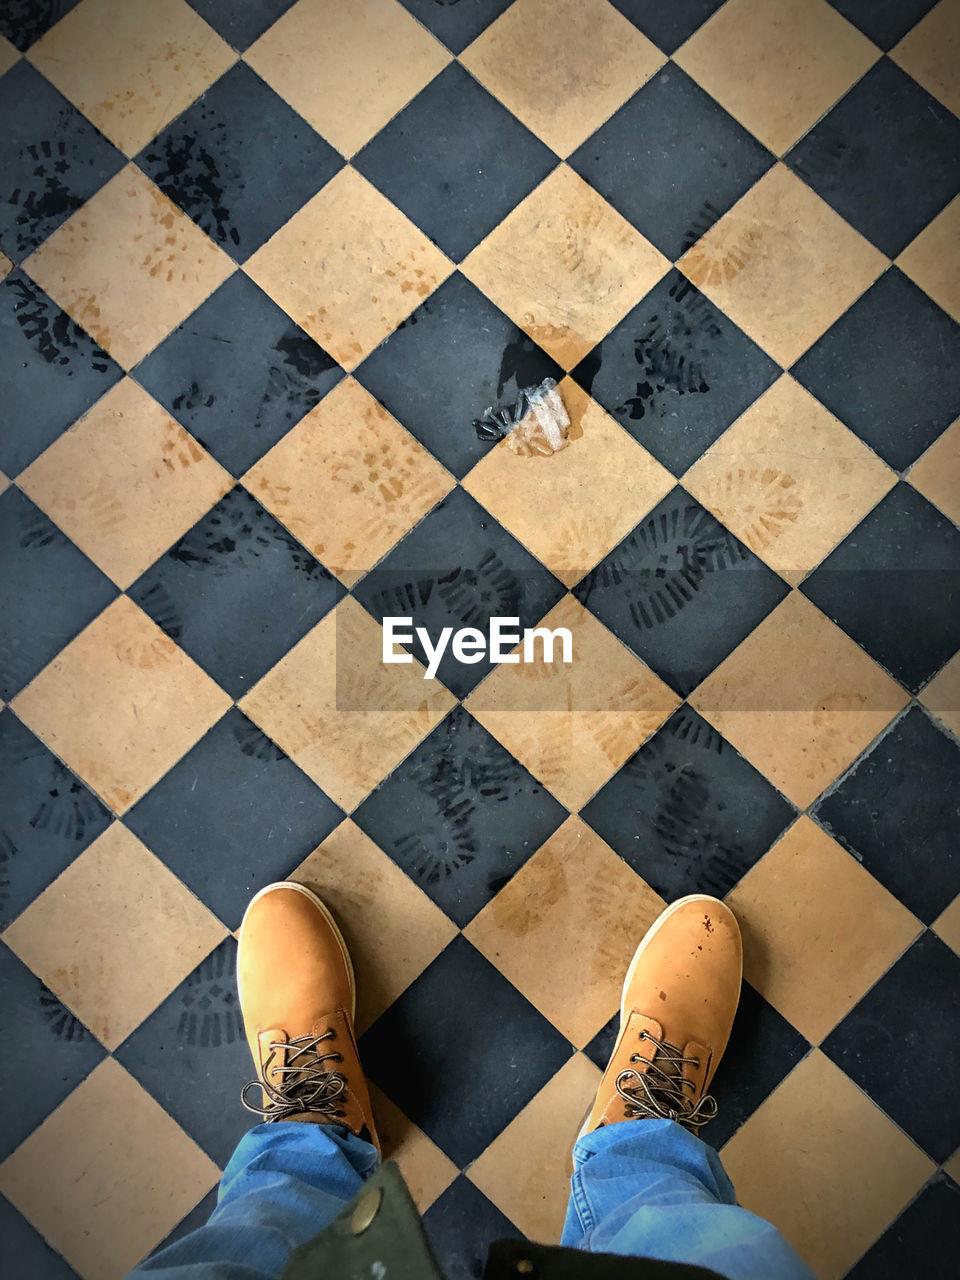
x=525, y=1267
x=365, y=1211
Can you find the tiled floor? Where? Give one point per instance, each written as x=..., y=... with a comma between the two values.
x=263, y=266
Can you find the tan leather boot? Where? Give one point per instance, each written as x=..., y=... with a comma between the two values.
x=679, y=998
x=298, y=997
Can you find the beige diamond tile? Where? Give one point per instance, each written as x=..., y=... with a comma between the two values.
x=343, y=716
x=562, y=66
x=349, y=481
x=125, y=482
x=121, y=704
x=132, y=68
x=574, y=724
x=565, y=266
x=348, y=267
x=8, y=56
x=107, y=1175
x=789, y=479
x=392, y=928
x=128, y=266
x=818, y=930
x=426, y=1170
x=799, y=699
x=4, y=482
x=565, y=927
x=783, y=265
x=525, y=1171
x=937, y=473
x=777, y=67
x=933, y=260
x=930, y=52
x=114, y=934
x=951, y=1167
x=6, y=266
x=574, y=506
x=346, y=68
x=947, y=926
x=821, y=1162
x=942, y=695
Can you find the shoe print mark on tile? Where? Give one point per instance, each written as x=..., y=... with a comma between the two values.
x=661, y=565
x=25, y=21
x=60, y=1020
x=67, y=808
x=209, y=1007
x=190, y=176
x=476, y=595
x=254, y=742
x=226, y=539
x=442, y=848
x=49, y=199
x=54, y=336
x=8, y=851
x=156, y=602
x=688, y=818
x=718, y=260
x=765, y=500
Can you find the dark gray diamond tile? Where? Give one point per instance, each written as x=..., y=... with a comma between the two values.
x=47, y=817
x=236, y=592
x=886, y=22
x=192, y=1056
x=240, y=22
x=461, y=1032
x=36, y=622
x=889, y=369
x=51, y=157
x=681, y=591
x=460, y=815
x=456, y=24
x=926, y=1232
x=23, y=22
x=236, y=143
x=453, y=358
x=894, y=586
x=885, y=157
x=675, y=372
x=60, y=1051
x=672, y=161
x=455, y=161
x=909, y=1017
x=51, y=371
x=687, y=812
x=238, y=373
x=458, y=567
x=898, y=812
x=667, y=25
x=461, y=1226
x=23, y=1251
x=232, y=816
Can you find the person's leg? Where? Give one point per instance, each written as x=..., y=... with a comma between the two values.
x=650, y=1189
x=643, y=1183
x=293, y=1174
x=284, y=1183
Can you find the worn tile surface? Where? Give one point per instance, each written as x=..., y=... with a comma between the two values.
x=273, y=278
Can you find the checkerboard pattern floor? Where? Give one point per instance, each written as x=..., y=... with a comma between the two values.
x=263, y=266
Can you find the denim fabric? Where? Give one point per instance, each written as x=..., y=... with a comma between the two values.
x=649, y=1188
x=643, y=1187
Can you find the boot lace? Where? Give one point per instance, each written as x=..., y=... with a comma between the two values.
x=659, y=1093
x=305, y=1082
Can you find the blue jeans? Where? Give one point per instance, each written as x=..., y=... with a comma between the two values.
x=642, y=1187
